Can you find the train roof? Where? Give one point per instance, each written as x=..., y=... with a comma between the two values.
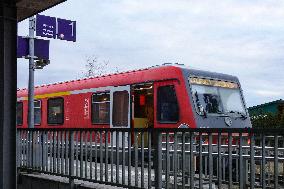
x=166, y=71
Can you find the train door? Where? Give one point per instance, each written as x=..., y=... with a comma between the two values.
x=143, y=109
x=120, y=109
x=143, y=105
x=167, y=104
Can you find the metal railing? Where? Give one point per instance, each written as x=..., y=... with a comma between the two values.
x=157, y=158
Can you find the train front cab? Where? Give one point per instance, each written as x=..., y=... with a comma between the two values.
x=217, y=102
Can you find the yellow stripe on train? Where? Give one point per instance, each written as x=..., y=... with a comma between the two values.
x=50, y=95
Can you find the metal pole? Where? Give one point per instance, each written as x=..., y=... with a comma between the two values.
x=31, y=73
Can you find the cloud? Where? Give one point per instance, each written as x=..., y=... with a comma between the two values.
x=268, y=93
x=238, y=37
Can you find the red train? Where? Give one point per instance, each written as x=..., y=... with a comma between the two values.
x=159, y=97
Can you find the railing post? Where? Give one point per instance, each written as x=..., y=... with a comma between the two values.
x=71, y=162
x=19, y=152
x=276, y=161
x=158, y=159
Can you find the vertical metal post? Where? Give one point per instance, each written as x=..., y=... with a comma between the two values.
x=31, y=73
x=142, y=159
x=86, y=153
x=230, y=161
x=157, y=160
x=263, y=183
x=123, y=157
x=167, y=178
x=252, y=162
x=81, y=154
x=192, y=162
x=210, y=151
x=276, y=161
x=106, y=155
x=117, y=156
x=149, y=158
x=91, y=154
x=183, y=159
x=77, y=135
x=19, y=153
x=129, y=158
x=136, y=157
x=111, y=156
x=71, y=162
x=241, y=172
x=219, y=162
x=200, y=161
x=101, y=156
x=175, y=159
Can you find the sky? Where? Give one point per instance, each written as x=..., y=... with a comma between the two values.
x=237, y=37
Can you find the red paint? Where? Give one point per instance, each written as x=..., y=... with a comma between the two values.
x=74, y=116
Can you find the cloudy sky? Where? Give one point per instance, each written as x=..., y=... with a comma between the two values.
x=242, y=38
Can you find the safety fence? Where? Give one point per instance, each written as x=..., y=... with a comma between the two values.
x=157, y=158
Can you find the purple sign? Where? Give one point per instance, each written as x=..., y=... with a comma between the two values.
x=22, y=47
x=66, y=29
x=41, y=48
x=51, y=27
x=46, y=26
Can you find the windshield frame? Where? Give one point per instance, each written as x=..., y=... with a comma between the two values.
x=223, y=114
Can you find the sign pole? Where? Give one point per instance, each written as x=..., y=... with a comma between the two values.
x=31, y=73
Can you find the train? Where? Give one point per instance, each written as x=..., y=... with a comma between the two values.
x=166, y=96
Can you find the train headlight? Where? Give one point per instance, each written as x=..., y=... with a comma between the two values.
x=228, y=121
x=183, y=125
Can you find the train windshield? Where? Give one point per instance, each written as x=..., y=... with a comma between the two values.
x=217, y=97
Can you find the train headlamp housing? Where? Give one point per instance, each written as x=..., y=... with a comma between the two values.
x=183, y=125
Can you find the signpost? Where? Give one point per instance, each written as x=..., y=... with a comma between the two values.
x=38, y=49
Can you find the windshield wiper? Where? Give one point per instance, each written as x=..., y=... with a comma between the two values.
x=239, y=113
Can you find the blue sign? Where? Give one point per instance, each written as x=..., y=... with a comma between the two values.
x=41, y=48
x=66, y=29
x=51, y=27
x=22, y=47
x=46, y=26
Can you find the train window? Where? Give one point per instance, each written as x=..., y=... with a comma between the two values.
x=100, y=108
x=55, y=111
x=37, y=112
x=19, y=113
x=167, y=109
x=120, y=108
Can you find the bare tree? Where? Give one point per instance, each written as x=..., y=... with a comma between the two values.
x=95, y=67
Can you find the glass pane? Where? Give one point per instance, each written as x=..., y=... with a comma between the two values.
x=37, y=104
x=37, y=112
x=101, y=97
x=207, y=98
x=101, y=113
x=120, y=109
x=100, y=108
x=232, y=101
x=19, y=113
x=55, y=111
x=218, y=100
x=168, y=110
